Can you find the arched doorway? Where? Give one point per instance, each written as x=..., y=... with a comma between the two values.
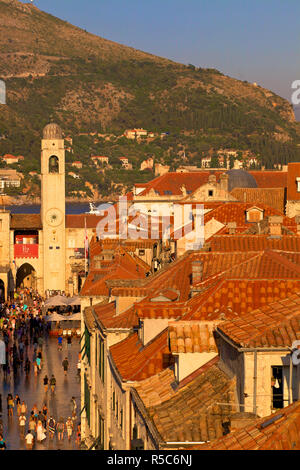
x=26, y=276
x=2, y=291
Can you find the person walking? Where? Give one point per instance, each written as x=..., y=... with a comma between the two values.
x=59, y=342
x=69, y=427
x=32, y=426
x=51, y=427
x=69, y=341
x=40, y=432
x=18, y=404
x=65, y=364
x=46, y=381
x=10, y=404
x=38, y=363
x=45, y=412
x=22, y=423
x=29, y=439
x=53, y=383
x=23, y=408
x=60, y=429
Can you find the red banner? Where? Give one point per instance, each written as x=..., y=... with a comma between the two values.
x=26, y=251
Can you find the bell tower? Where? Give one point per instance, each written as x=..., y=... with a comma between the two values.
x=53, y=208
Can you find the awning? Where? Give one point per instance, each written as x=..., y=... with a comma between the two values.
x=56, y=301
x=74, y=301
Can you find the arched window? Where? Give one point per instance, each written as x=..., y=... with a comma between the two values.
x=53, y=164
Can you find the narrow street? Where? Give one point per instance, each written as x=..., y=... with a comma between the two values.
x=31, y=390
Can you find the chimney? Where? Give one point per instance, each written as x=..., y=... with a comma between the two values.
x=197, y=271
x=231, y=227
x=224, y=182
x=275, y=225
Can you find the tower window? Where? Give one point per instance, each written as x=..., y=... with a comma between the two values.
x=53, y=164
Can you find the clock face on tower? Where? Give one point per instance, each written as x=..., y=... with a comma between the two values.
x=54, y=217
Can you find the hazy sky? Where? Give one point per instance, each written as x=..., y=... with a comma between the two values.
x=254, y=40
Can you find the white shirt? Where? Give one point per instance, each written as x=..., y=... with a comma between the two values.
x=29, y=438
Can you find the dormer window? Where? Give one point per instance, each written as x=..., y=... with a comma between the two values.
x=298, y=184
x=210, y=192
x=254, y=214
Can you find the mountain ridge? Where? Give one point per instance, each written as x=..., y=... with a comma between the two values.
x=54, y=70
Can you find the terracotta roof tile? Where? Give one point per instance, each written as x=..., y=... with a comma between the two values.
x=279, y=431
x=137, y=362
x=191, y=414
x=106, y=314
x=276, y=325
x=26, y=221
x=244, y=243
x=172, y=182
x=272, y=197
x=157, y=388
x=270, y=179
x=191, y=337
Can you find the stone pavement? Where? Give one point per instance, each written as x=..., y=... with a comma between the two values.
x=31, y=390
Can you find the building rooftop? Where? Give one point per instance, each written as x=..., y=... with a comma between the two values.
x=274, y=325
x=193, y=413
x=137, y=362
x=279, y=431
x=272, y=197
x=191, y=337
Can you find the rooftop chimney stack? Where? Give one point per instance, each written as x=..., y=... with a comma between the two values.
x=224, y=182
x=275, y=225
x=197, y=271
x=231, y=228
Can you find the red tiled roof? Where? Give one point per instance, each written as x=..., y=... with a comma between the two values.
x=137, y=362
x=173, y=182
x=272, y=197
x=123, y=266
x=234, y=298
x=279, y=431
x=106, y=314
x=26, y=221
x=192, y=337
x=275, y=325
x=236, y=212
x=270, y=179
x=157, y=388
x=245, y=242
x=192, y=414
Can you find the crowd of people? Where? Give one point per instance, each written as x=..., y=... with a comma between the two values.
x=40, y=422
x=23, y=331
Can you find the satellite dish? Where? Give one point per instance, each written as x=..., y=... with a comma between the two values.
x=296, y=344
x=296, y=357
